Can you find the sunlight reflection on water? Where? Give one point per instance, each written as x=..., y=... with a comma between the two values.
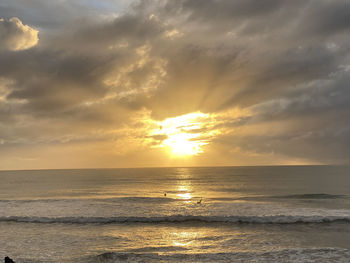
x=184, y=188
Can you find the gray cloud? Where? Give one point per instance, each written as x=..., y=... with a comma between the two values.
x=286, y=62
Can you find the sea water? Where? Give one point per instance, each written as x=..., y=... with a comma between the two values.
x=206, y=214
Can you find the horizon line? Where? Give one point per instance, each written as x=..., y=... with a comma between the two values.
x=150, y=167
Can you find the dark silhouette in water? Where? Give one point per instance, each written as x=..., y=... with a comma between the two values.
x=8, y=260
x=165, y=194
x=200, y=201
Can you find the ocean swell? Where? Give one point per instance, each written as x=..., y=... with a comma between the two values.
x=276, y=219
x=285, y=255
x=311, y=196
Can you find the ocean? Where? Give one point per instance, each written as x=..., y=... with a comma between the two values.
x=206, y=214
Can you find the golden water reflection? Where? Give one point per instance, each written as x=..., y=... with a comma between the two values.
x=185, y=196
x=180, y=238
x=184, y=190
x=183, y=238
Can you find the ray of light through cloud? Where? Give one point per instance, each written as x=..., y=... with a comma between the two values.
x=134, y=83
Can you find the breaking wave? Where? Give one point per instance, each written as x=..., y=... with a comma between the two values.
x=276, y=219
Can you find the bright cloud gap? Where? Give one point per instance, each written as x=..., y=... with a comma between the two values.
x=183, y=135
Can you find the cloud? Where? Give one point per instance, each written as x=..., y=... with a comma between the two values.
x=15, y=36
x=282, y=67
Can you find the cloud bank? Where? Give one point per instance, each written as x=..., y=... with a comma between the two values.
x=272, y=74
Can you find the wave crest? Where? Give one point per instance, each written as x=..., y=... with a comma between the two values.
x=277, y=219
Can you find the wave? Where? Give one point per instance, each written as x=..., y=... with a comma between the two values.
x=109, y=199
x=311, y=196
x=144, y=199
x=320, y=196
x=277, y=219
x=283, y=255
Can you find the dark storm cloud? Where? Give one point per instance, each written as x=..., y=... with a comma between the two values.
x=285, y=61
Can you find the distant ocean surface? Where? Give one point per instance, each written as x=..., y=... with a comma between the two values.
x=207, y=214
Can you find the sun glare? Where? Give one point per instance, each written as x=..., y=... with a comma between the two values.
x=181, y=144
x=183, y=134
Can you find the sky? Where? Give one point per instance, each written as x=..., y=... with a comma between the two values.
x=118, y=83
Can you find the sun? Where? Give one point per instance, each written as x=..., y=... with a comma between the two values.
x=181, y=144
x=183, y=134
